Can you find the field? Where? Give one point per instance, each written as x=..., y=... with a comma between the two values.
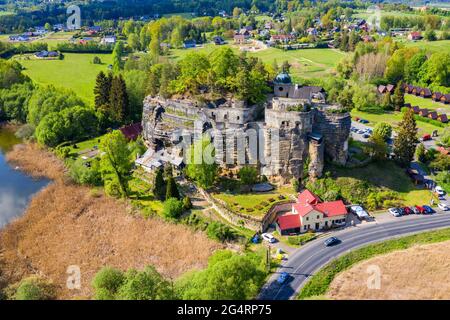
x=385, y=176
x=393, y=119
x=427, y=103
x=320, y=282
x=306, y=63
x=431, y=261
x=75, y=72
x=432, y=46
x=363, y=14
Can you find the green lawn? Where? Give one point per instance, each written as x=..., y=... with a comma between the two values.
x=255, y=204
x=427, y=103
x=432, y=46
x=393, y=119
x=320, y=282
x=306, y=63
x=76, y=72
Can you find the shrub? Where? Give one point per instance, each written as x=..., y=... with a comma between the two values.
x=187, y=204
x=173, y=208
x=219, y=231
x=107, y=282
x=35, y=288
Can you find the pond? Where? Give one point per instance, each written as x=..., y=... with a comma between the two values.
x=16, y=188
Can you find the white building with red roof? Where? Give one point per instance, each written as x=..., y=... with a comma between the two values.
x=310, y=213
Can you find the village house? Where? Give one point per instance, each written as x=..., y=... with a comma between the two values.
x=433, y=115
x=189, y=44
x=416, y=109
x=436, y=96
x=310, y=213
x=423, y=112
x=442, y=118
x=384, y=89
x=425, y=93
x=282, y=38
x=46, y=54
x=415, y=35
x=108, y=40
x=218, y=40
x=445, y=98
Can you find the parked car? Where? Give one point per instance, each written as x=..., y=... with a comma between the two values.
x=360, y=212
x=428, y=209
x=364, y=121
x=282, y=278
x=331, y=241
x=366, y=135
x=395, y=212
x=439, y=191
x=443, y=206
x=420, y=209
x=426, y=137
x=268, y=237
x=414, y=210
x=407, y=210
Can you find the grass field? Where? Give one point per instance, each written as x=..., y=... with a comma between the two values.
x=393, y=119
x=320, y=282
x=427, y=103
x=76, y=72
x=306, y=63
x=363, y=14
x=432, y=46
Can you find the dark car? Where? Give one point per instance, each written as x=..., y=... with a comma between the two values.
x=282, y=278
x=407, y=210
x=331, y=241
x=401, y=211
x=420, y=209
x=428, y=209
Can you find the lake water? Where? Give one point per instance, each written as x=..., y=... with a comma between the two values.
x=16, y=188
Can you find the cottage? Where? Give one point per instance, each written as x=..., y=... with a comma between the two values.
x=416, y=90
x=433, y=115
x=240, y=39
x=425, y=93
x=445, y=98
x=407, y=105
x=442, y=118
x=46, y=54
x=282, y=38
x=415, y=35
x=416, y=109
x=108, y=40
x=423, y=112
x=436, y=96
x=310, y=213
x=381, y=89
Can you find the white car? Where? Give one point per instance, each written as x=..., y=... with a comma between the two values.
x=443, y=206
x=439, y=191
x=268, y=237
x=360, y=212
x=395, y=212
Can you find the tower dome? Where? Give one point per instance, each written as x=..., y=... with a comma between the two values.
x=283, y=78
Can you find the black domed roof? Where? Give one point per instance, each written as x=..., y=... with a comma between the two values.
x=283, y=78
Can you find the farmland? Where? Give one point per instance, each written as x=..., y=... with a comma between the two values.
x=75, y=72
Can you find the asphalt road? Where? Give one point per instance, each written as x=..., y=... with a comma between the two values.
x=303, y=263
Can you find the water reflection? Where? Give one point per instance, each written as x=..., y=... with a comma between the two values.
x=16, y=188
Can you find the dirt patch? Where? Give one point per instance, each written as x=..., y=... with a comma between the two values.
x=421, y=272
x=67, y=225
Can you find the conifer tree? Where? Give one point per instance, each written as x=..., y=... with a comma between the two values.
x=119, y=100
x=102, y=90
x=398, y=100
x=159, y=185
x=406, y=140
x=172, y=189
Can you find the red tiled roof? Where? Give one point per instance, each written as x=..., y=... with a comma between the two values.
x=307, y=197
x=302, y=209
x=332, y=208
x=289, y=221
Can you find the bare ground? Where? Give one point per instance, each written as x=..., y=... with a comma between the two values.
x=68, y=225
x=421, y=272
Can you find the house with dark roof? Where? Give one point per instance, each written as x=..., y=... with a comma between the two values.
x=423, y=112
x=442, y=118
x=415, y=109
x=436, y=96
x=445, y=98
x=189, y=44
x=282, y=38
x=425, y=93
x=433, y=115
x=132, y=131
x=218, y=40
x=381, y=89
x=310, y=213
x=416, y=90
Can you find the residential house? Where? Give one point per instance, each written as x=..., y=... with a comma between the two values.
x=415, y=35
x=425, y=93
x=416, y=109
x=108, y=40
x=416, y=90
x=436, y=96
x=312, y=31
x=268, y=25
x=189, y=44
x=132, y=131
x=445, y=98
x=282, y=38
x=423, y=112
x=310, y=213
x=242, y=36
x=46, y=54
x=444, y=151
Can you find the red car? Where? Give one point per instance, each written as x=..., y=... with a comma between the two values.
x=421, y=209
x=407, y=210
x=426, y=137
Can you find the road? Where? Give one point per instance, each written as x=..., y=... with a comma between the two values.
x=307, y=260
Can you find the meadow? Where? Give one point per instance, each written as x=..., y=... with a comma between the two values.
x=427, y=103
x=431, y=46
x=306, y=63
x=76, y=72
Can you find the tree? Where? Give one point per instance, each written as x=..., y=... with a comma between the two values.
x=237, y=12
x=219, y=231
x=159, y=185
x=187, y=203
x=106, y=283
x=176, y=39
x=96, y=60
x=398, y=100
x=117, y=56
x=172, y=188
x=248, y=175
x=83, y=174
x=383, y=129
x=201, y=166
x=387, y=101
x=133, y=41
x=436, y=70
x=35, y=288
x=430, y=35
x=421, y=153
x=118, y=100
x=414, y=66
x=48, y=27
x=115, y=164
x=102, y=90
x=406, y=140
x=173, y=208
x=377, y=147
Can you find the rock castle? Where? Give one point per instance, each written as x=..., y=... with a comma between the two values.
x=293, y=130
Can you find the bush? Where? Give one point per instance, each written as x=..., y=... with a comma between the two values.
x=35, y=288
x=107, y=282
x=301, y=239
x=173, y=208
x=81, y=173
x=25, y=132
x=219, y=231
x=187, y=204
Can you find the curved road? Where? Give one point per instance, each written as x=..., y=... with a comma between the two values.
x=307, y=260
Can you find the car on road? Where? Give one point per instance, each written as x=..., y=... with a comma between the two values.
x=439, y=191
x=420, y=209
x=268, y=237
x=282, y=278
x=414, y=210
x=331, y=241
x=443, y=206
x=428, y=209
x=395, y=212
